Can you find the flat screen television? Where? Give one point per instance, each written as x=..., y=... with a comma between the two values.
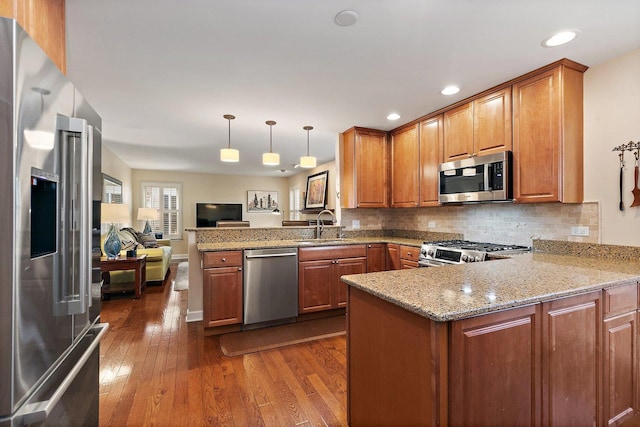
x=208, y=214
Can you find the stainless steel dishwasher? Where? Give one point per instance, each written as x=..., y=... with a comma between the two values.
x=270, y=285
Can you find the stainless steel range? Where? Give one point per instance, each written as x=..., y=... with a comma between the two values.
x=448, y=252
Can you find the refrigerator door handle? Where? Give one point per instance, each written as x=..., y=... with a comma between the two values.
x=77, y=301
x=39, y=411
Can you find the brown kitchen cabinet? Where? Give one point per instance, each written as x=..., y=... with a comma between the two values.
x=405, y=167
x=620, y=356
x=44, y=21
x=376, y=257
x=568, y=361
x=393, y=256
x=222, y=288
x=479, y=127
x=493, y=358
x=571, y=357
x=401, y=257
x=548, y=134
x=363, y=169
x=431, y=139
x=319, y=272
x=409, y=257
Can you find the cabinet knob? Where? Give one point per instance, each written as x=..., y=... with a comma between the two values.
x=368, y=246
x=223, y=260
x=239, y=268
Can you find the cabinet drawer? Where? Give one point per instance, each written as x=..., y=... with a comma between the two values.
x=409, y=253
x=621, y=299
x=222, y=259
x=332, y=252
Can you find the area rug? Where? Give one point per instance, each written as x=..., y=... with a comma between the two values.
x=245, y=342
x=181, y=282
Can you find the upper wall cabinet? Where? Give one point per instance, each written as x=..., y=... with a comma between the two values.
x=44, y=21
x=547, y=135
x=405, y=167
x=479, y=127
x=363, y=169
x=431, y=137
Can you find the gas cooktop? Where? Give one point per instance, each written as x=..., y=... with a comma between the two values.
x=433, y=254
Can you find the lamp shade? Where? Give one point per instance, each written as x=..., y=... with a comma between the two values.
x=145, y=214
x=270, y=159
x=229, y=155
x=307, y=162
x=114, y=213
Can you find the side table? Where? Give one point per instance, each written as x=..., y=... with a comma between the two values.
x=137, y=263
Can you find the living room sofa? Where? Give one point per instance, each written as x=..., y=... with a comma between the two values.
x=158, y=260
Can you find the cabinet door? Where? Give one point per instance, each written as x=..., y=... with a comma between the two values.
x=342, y=267
x=376, y=257
x=222, y=293
x=571, y=340
x=494, y=358
x=620, y=386
x=458, y=133
x=405, y=164
x=536, y=133
x=371, y=170
x=315, y=284
x=492, y=123
x=393, y=256
x=431, y=137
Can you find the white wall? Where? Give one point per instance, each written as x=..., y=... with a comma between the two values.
x=612, y=118
x=116, y=168
x=300, y=181
x=199, y=187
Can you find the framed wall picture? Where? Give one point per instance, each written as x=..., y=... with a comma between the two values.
x=316, y=197
x=261, y=201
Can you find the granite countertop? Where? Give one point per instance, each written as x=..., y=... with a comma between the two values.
x=461, y=291
x=303, y=243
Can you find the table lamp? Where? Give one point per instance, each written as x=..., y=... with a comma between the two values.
x=146, y=214
x=112, y=214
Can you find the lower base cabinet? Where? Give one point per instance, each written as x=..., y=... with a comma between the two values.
x=567, y=362
x=222, y=289
x=319, y=272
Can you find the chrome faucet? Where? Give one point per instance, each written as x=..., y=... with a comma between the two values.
x=320, y=223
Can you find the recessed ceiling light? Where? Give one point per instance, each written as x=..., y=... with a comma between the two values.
x=393, y=116
x=346, y=18
x=558, y=39
x=450, y=90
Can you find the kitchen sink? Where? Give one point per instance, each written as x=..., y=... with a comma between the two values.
x=321, y=241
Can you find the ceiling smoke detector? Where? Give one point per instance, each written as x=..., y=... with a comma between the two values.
x=346, y=18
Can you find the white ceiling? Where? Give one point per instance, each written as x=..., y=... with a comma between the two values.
x=162, y=73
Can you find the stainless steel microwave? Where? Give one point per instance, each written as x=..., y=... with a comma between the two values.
x=476, y=179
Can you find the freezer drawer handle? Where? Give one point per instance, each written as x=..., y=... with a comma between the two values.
x=39, y=411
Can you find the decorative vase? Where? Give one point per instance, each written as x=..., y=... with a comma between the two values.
x=147, y=228
x=112, y=244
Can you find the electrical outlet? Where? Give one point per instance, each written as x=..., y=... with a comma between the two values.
x=579, y=231
x=431, y=224
x=355, y=224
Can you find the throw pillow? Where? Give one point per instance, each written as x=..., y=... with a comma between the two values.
x=133, y=233
x=149, y=240
x=128, y=242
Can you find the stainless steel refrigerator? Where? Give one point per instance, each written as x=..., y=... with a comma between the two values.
x=50, y=190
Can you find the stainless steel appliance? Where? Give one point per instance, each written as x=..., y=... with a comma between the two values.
x=477, y=179
x=270, y=285
x=49, y=241
x=449, y=252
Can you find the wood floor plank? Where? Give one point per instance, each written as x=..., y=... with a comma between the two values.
x=156, y=369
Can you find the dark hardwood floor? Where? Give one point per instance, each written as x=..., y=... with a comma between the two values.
x=156, y=369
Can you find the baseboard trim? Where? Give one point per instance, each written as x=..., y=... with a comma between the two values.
x=179, y=257
x=194, y=316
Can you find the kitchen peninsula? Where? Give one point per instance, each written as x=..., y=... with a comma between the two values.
x=536, y=339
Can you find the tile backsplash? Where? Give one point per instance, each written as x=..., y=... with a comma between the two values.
x=509, y=223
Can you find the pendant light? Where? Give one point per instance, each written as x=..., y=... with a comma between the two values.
x=270, y=158
x=229, y=154
x=307, y=161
